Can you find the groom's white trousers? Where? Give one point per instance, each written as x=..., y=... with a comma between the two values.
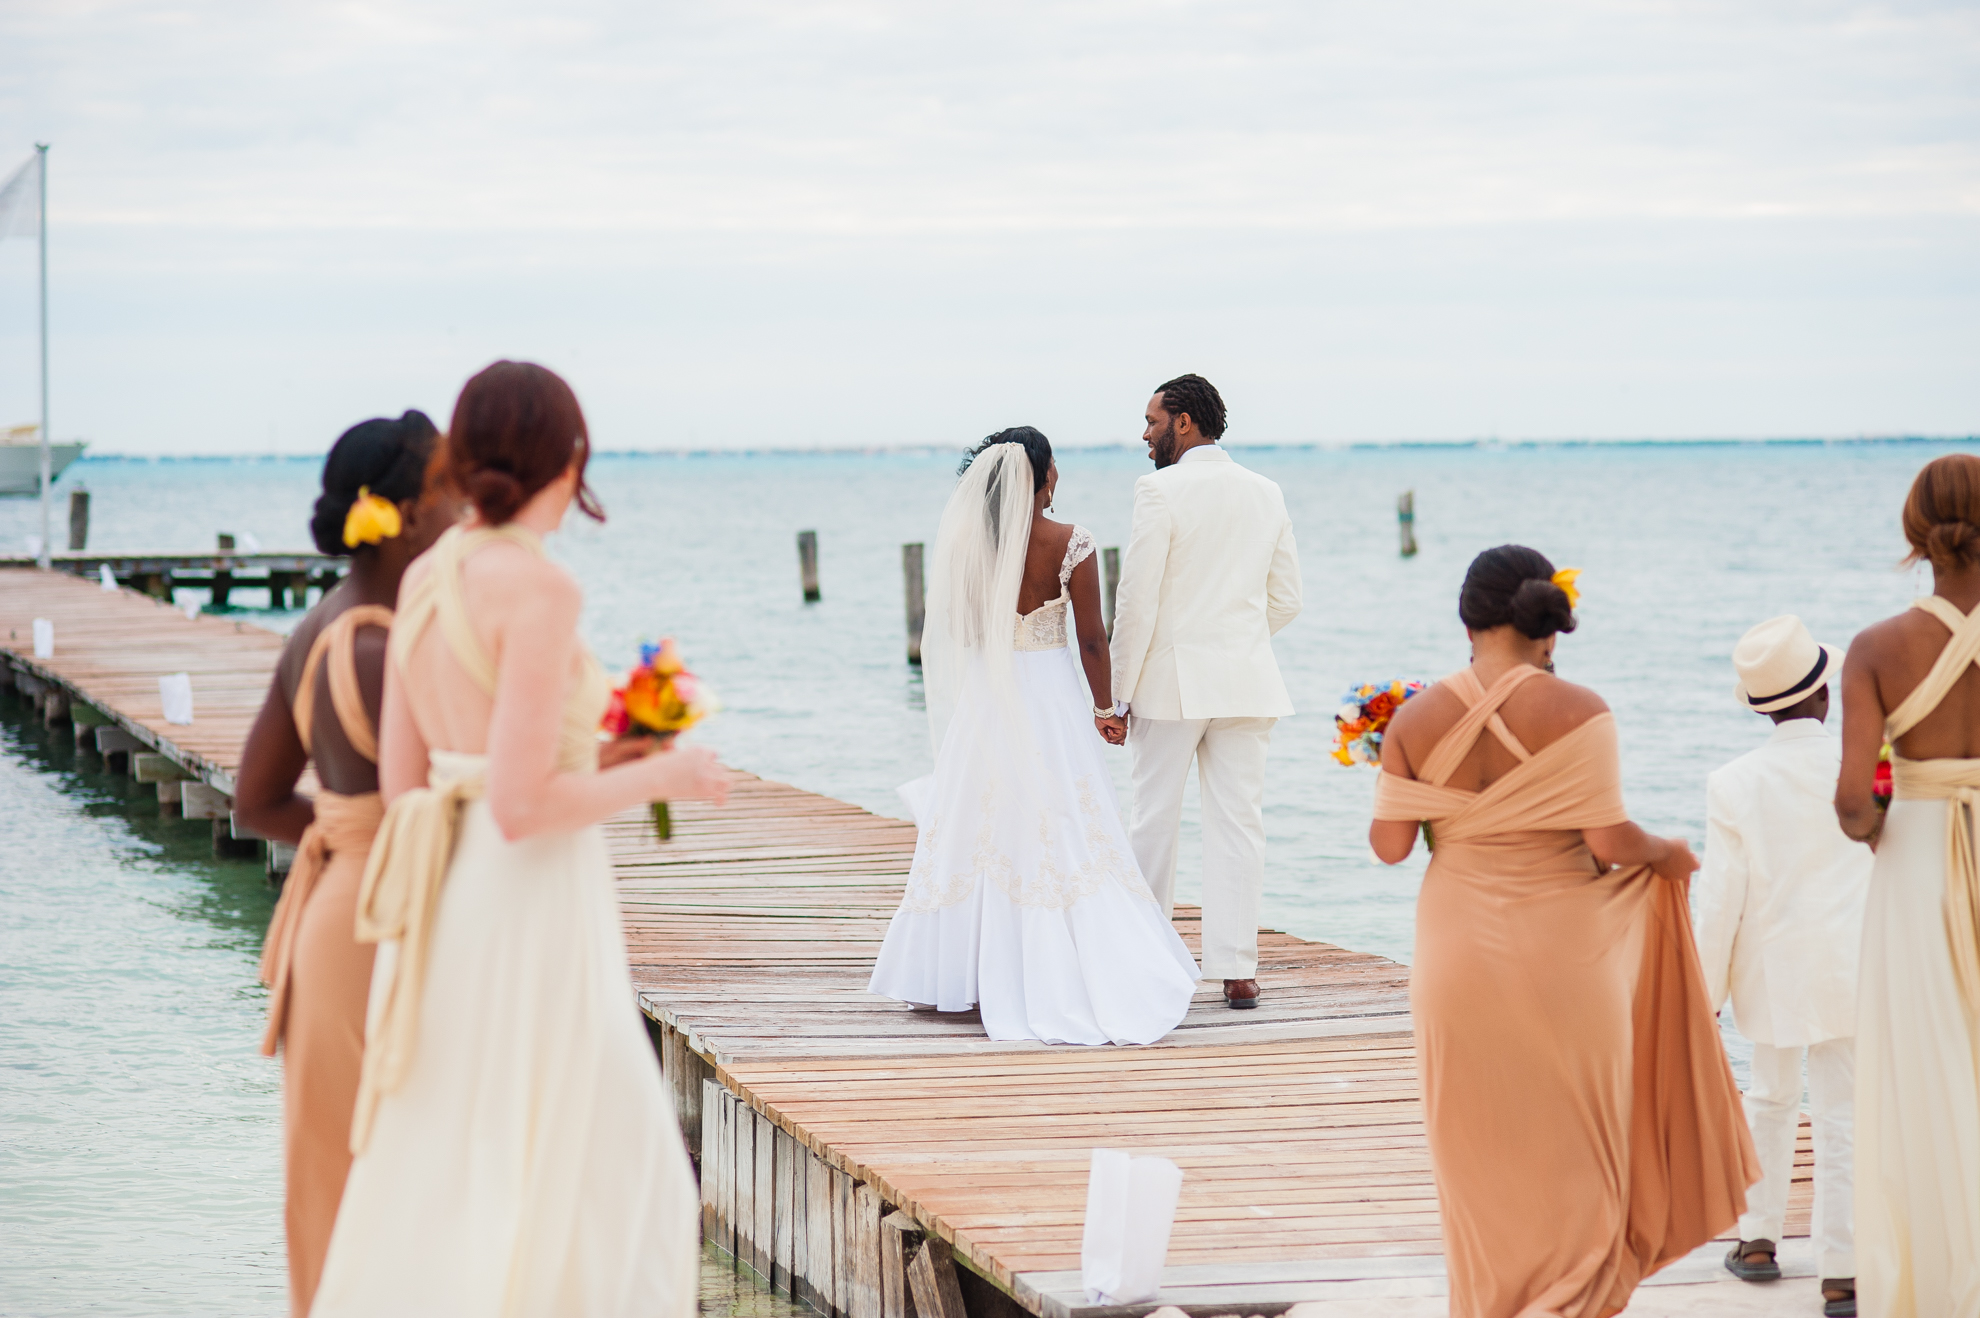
x=1230, y=773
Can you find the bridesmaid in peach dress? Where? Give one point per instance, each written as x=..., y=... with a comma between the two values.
x=323, y=709
x=1582, y=1120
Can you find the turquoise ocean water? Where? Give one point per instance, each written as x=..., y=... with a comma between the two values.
x=139, y=1154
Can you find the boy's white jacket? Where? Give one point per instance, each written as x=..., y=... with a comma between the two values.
x=1780, y=898
x=1210, y=575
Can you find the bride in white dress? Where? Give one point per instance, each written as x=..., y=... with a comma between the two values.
x=1024, y=898
x=516, y=1152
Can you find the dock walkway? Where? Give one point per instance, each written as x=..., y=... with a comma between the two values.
x=835, y=1130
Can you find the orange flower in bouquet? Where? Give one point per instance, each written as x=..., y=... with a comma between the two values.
x=660, y=698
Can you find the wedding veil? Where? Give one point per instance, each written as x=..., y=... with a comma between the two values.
x=971, y=621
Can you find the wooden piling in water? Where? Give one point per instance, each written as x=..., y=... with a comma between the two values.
x=78, y=519
x=917, y=599
x=1406, y=522
x=1110, y=582
x=223, y=581
x=807, y=542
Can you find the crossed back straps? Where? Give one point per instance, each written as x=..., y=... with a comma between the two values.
x=1947, y=669
x=338, y=642
x=1481, y=713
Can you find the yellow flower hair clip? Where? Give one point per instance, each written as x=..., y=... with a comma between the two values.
x=1565, y=579
x=371, y=519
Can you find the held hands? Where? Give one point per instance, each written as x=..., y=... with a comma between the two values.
x=1112, y=729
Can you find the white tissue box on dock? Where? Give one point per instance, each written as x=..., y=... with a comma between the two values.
x=1130, y=1207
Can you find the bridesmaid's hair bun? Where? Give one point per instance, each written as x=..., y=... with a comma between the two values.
x=517, y=427
x=388, y=458
x=1942, y=512
x=1540, y=608
x=1514, y=585
x=495, y=494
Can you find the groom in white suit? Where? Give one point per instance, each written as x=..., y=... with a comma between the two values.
x=1211, y=574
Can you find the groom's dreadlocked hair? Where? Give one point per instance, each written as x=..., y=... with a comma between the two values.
x=1198, y=397
x=1036, y=447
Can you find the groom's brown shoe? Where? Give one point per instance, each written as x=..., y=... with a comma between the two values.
x=1242, y=994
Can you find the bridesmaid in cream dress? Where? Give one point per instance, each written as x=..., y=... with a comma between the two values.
x=516, y=1153
x=1911, y=680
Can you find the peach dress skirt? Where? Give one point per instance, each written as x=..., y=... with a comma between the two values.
x=1583, y=1122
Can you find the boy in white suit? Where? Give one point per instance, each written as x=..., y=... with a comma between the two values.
x=1210, y=575
x=1780, y=918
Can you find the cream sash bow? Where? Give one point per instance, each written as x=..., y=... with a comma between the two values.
x=397, y=901
x=1956, y=782
x=343, y=823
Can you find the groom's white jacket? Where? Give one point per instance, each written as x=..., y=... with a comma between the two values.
x=1211, y=574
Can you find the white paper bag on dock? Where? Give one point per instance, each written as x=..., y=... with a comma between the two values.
x=106, y=576
x=175, y=693
x=1130, y=1207
x=44, y=638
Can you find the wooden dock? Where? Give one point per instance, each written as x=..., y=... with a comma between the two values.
x=851, y=1147
x=287, y=577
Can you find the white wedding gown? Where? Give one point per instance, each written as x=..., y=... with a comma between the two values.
x=1024, y=898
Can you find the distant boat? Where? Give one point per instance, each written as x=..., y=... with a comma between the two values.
x=20, y=459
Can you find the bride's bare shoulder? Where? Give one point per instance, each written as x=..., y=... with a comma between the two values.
x=1047, y=532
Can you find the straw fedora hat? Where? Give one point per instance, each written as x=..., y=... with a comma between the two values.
x=1780, y=664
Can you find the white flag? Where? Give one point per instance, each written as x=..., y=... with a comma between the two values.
x=20, y=202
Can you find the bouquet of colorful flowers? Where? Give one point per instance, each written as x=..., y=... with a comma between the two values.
x=1881, y=786
x=660, y=698
x=1364, y=718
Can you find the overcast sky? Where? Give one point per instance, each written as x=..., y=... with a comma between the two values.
x=850, y=224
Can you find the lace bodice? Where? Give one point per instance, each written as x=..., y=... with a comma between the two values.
x=1044, y=628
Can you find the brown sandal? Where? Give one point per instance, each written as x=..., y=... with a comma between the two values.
x=1737, y=1264
x=1839, y=1297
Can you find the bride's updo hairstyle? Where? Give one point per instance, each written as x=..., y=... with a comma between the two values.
x=1514, y=584
x=1036, y=447
x=379, y=456
x=516, y=428
x=1942, y=513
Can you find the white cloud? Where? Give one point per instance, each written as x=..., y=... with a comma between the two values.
x=754, y=222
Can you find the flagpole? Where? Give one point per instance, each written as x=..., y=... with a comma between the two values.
x=41, y=148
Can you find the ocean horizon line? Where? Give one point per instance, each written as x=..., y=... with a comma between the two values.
x=1318, y=445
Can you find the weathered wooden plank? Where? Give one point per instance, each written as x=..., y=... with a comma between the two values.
x=711, y=1158
x=867, y=1212
x=900, y=1236
x=800, y=1210
x=744, y=1215
x=932, y=1278
x=782, y=1214
x=818, y=1235
x=842, y=1245
x=763, y=1202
